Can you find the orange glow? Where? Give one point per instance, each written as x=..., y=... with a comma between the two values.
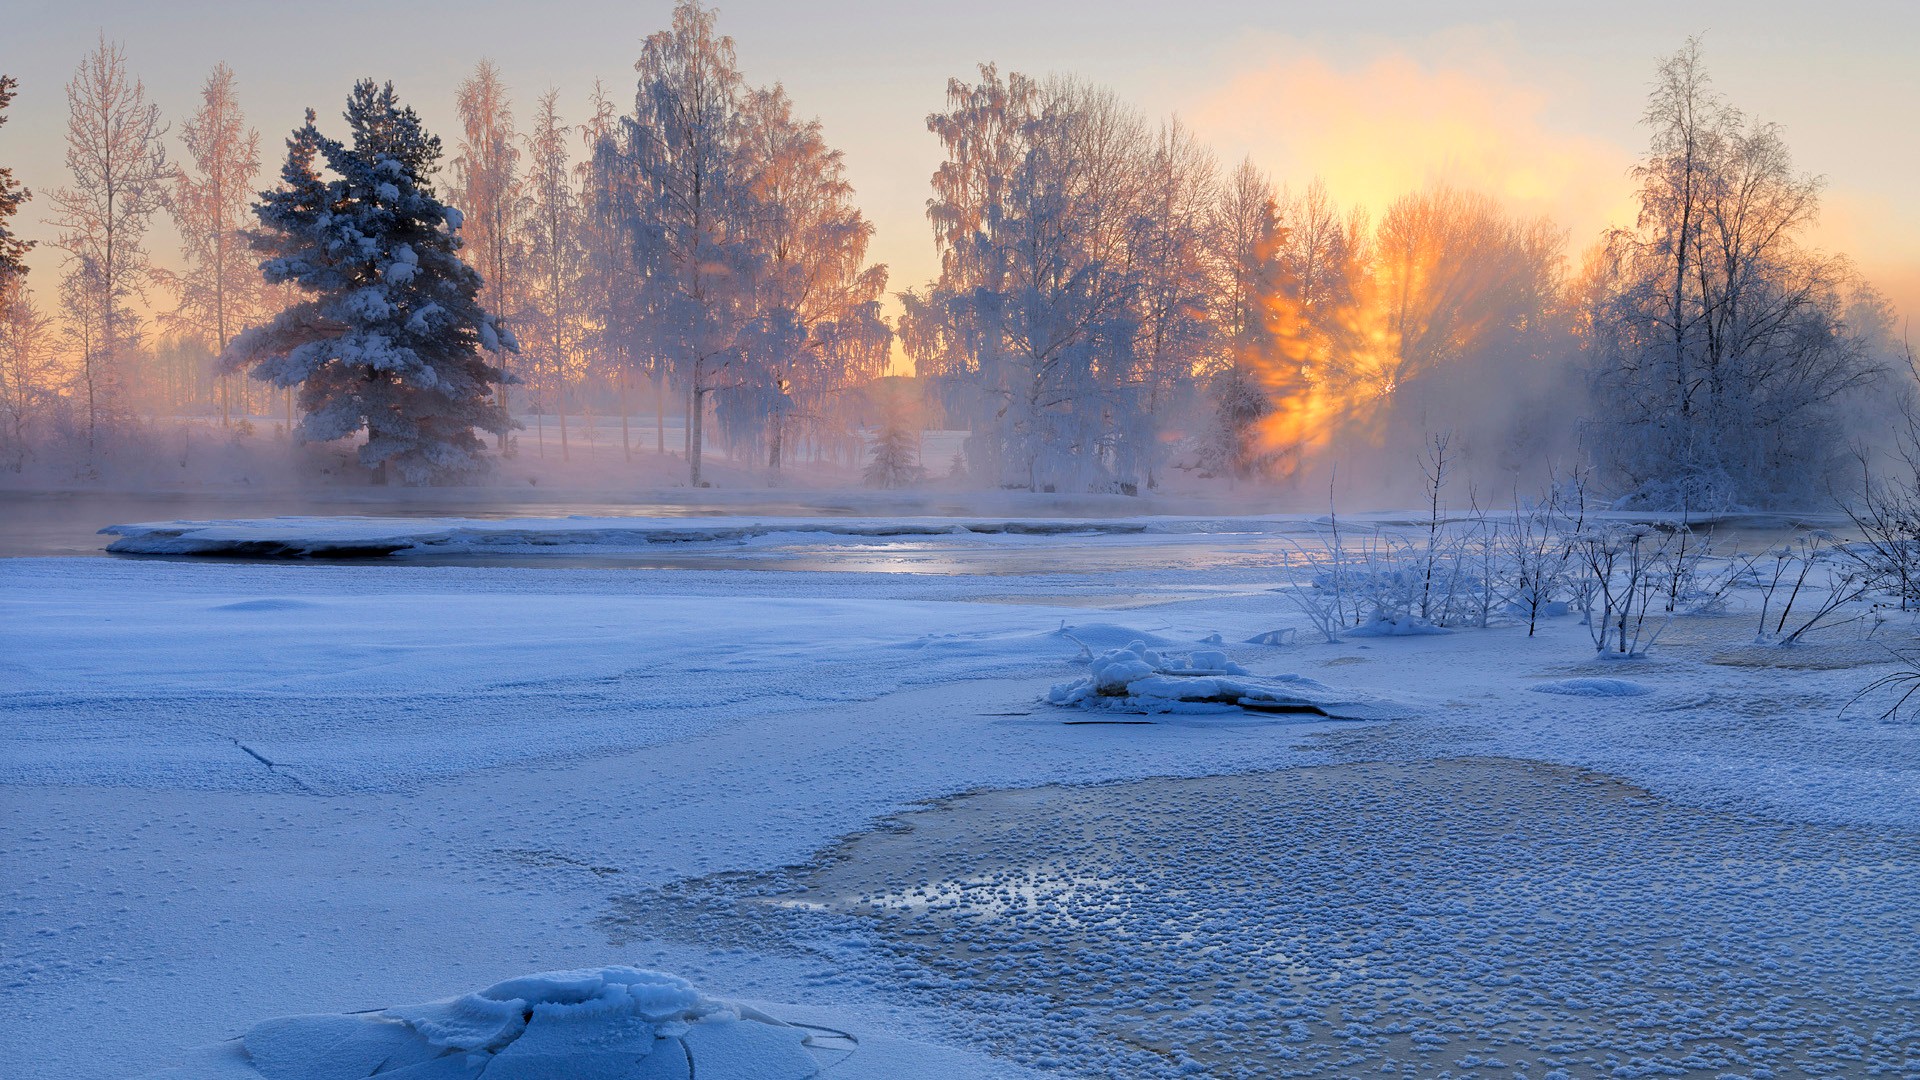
x=1394, y=123
x=1296, y=367
x=1447, y=278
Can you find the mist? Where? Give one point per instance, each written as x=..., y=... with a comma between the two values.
x=1119, y=312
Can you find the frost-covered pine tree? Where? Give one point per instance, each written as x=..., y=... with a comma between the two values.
x=13, y=250
x=896, y=457
x=388, y=333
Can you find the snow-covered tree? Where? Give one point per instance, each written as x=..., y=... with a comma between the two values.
x=1034, y=330
x=1247, y=244
x=610, y=292
x=488, y=194
x=28, y=375
x=13, y=250
x=220, y=292
x=690, y=213
x=896, y=457
x=746, y=279
x=388, y=332
x=553, y=323
x=1721, y=344
x=120, y=178
x=1175, y=249
x=817, y=330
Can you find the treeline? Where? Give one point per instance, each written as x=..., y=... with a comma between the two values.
x=1112, y=303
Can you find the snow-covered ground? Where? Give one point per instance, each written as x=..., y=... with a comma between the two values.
x=238, y=790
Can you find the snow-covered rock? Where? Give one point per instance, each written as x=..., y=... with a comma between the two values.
x=1139, y=679
x=612, y=1023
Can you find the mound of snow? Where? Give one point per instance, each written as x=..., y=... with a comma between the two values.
x=1091, y=636
x=613, y=1023
x=1406, y=626
x=1597, y=688
x=1137, y=679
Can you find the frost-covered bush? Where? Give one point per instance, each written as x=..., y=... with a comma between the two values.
x=1899, y=687
x=1792, y=600
x=1886, y=511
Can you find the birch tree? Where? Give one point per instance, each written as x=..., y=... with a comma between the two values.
x=1247, y=245
x=28, y=373
x=487, y=191
x=1175, y=250
x=1721, y=344
x=1033, y=330
x=689, y=215
x=220, y=292
x=555, y=261
x=120, y=176
x=818, y=330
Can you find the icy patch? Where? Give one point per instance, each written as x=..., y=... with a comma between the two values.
x=612, y=1023
x=1593, y=688
x=1138, y=679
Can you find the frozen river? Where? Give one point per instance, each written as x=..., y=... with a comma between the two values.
x=1110, y=540
x=239, y=788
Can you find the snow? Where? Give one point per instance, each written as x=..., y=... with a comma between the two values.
x=1594, y=688
x=1403, y=627
x=243, y=789
x=610, y=1023
x=1138, y=679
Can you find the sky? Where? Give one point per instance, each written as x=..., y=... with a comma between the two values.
x=1536, y=102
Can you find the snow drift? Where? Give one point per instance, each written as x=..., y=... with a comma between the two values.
x=612, y=1023
x=1139, y=679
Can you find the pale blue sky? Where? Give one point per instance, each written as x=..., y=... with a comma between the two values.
x=1536, y=100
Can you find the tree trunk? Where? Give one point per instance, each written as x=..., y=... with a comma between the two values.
x=694, y=425
x=506, y=406
x=626, y=436
x=659, y=410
